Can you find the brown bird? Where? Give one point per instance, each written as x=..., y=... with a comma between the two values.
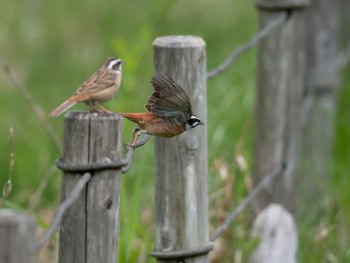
x=100, y=87
x=170, y=112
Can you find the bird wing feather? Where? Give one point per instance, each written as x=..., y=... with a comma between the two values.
x=100, y=80
x=168, y=99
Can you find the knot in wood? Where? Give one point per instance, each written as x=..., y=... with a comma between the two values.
x=108, y=203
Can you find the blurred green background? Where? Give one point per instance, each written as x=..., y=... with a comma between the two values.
x=55, y=45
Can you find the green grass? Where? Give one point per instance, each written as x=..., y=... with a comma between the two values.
x=54, y=46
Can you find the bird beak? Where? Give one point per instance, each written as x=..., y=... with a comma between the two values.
x=200, y=123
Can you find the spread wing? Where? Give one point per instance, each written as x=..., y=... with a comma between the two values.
x=168, y=98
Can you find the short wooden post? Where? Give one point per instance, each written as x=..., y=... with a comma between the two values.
x=280, y=84
x=322, y=80
x=17, y=237
x=181, y=162
x=90, y=228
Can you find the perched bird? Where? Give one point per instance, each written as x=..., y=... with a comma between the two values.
x=170, y=112
x=100, y=87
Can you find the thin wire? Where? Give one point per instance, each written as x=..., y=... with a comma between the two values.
x=259, y=36
x=124, y=165
x=263, y=183
x=73, y=195
x=182, y=254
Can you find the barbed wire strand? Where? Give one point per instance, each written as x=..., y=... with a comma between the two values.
x=73, y=195
x=263, y=183
x=39, y=112
x=255, y=40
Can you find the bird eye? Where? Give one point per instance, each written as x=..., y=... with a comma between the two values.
x=193, y=122
x=117, y=65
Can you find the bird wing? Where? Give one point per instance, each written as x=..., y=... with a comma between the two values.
x=100, y=80
x=168, y=99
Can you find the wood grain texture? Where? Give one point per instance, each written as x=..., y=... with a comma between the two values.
x=17, y=236
x=344, y=29
x=103, y=196
x=181, y=162
x=280, y=84
x=322, y=81
x=90, y=228
x=72, y=247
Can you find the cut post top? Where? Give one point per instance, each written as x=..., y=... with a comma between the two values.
x=81, y=114
x=179, y=41
x=282, y=4
x=11, y=217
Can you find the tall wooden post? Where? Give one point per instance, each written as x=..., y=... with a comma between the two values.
x=322, y=80
x=17, y=236
x=280, y=85
x=90, y=228
x=181, y=162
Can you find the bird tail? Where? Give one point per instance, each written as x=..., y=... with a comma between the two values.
x=126, y=115
x=139, y=117
x=130, y=116
x=66, y=105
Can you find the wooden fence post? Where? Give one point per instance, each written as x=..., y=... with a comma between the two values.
x=280, y=85
x=17, y=237
x=181, y=162
x=90, y=228
x=344, y=30
x=322, y=80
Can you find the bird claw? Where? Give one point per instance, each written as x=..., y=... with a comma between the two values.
x=132, y=146
x=139, y=138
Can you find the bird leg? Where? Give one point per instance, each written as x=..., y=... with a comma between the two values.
x=103, y=109
x=92, y=106
x=139, y=138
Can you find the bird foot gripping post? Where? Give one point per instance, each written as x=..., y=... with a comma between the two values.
x=90, y=227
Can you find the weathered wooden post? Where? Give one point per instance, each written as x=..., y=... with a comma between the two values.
x=280, y=84
x=90, y=228
x=17, y=236
x=181, y=162
x=322, y=80
x=344, y=30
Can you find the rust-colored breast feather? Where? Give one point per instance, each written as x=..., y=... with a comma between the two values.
x=155, y=125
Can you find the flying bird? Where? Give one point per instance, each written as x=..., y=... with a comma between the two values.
x=169, y=112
